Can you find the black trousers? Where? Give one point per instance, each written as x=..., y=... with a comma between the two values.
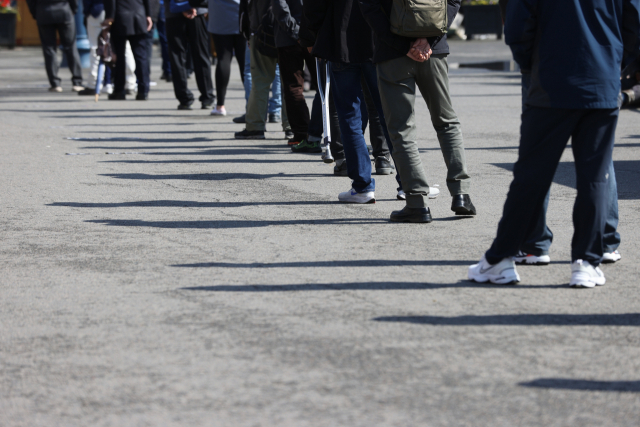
x=140, y=48
x=226, y=45
x=370, y=115
x=189, y=36
x=48, y=38
x=544, y=135
x=292, y=60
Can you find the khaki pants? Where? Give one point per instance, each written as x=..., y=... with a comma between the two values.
x=263, y=71
x=397, y=80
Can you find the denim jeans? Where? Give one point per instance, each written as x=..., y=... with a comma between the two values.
x=275, y=101
x=539, y=240
x=349, y=102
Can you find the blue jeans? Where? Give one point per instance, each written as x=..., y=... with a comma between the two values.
x=349, y=102
x=539, y=240
x=275, y=101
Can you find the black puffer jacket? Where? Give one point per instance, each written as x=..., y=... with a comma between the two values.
x=337, y=31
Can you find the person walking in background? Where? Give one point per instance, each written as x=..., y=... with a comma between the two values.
x=130, y=20
x=56, y=18
x=225, y=29
x=402, y=64
x=570, y=96
x=292, y=57
x=161, y=26
x=187, y=35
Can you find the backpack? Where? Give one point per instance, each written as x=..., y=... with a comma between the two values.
x=419, y=18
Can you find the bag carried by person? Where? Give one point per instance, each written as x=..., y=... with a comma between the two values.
x=264, y=38
x=105, y=51
x=419, y=18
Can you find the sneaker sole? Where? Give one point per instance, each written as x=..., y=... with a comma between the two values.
x=586, y=282
x=500, y=280
x=525, y=261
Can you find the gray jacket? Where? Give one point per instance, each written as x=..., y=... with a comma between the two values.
x=287, y=15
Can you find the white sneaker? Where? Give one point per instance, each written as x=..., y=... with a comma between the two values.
x=584, y=275
x=352, y=197
x=108, y=88
x=611, y=257
x=502, y=273
x=525, y=258
x=433, y=193
x=77, y=88
x=221, y=111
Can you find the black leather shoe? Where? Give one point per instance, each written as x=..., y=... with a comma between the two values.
x=87, y=91
x=408, y=214
x=462, y=205
x=142, y=97
x=118, y=96
x=185, y=107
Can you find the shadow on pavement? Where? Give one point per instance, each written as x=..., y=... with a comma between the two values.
x=341, y=263
x=586, y=385
x=230, y=224
x=214, y=176
x=358, y=286
x=626, y=319
x=188, y=204
x=626, y=176
x=252, y=161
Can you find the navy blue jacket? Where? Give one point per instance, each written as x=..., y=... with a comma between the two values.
x=573, y=48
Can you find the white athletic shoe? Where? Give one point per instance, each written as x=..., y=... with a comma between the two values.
x=584, y=275
x=433, y=193
x=219, y=111
x=525, y=258
x=611, y=257
x=502, y=273
x=352, y=196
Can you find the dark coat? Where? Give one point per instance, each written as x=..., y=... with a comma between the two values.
x=129, y=16
x=154, y=9
x=337, y=31
x=257, y=9
x=389, y=46
x=52, y=11
x=573, y=50
x=287, y=15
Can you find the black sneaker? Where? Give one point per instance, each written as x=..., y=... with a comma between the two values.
x=250, y=134
x=408, y=214
x=185, y=107
x=206, y=106
x=340, y=169
x=241, y=119
x=462, y=205
x=274, y=118
x=288, y=134
x=87, y=91
x=117, y=96
x=383, y=165
x=142, y=97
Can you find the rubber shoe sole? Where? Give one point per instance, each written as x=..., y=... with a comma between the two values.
x=532, y=260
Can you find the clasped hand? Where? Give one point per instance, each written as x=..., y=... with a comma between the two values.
x=420, y=50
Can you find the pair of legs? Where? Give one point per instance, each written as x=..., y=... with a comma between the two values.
x=161, y=26
x=67, y=33
x=139, y=48
x=292, y=60
x=263, y=72
x=226, y=46
x=190, y=37
x=275, y=101
x=544, y=136
x=349, y=99
x=397, y=79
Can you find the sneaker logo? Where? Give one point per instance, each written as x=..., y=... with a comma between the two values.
x=484, y=270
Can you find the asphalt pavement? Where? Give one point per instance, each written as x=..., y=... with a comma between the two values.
x=154, y=271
